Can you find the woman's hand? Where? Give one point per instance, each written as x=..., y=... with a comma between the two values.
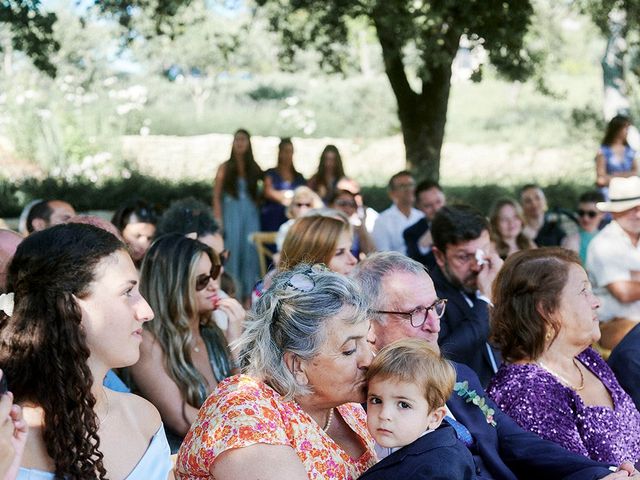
x=626, y=470
x=236, y=316
x=13, y=437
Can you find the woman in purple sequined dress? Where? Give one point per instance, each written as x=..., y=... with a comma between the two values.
x=552, y=383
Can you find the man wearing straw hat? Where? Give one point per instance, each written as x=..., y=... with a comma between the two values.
x=613, y=262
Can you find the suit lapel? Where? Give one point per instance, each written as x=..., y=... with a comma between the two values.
x=443, y=436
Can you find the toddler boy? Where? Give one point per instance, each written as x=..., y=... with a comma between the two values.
x=408, y=385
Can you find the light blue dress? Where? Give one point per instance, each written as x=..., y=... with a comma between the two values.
x=241, y=219
x=155, y=464
x=613, y=164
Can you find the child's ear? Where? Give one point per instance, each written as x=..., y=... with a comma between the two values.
x=435, y=417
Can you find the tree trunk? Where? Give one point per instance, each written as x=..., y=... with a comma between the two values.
x=423, y=124
x=422, y=116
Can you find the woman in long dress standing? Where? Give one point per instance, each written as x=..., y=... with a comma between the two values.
x=235, y=194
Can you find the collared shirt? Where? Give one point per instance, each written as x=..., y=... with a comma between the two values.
x=384, y=452
x=492, y=357
x=611, y=257
x=389, y=226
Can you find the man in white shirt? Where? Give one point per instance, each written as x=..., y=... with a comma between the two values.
x=613, y=262
x=389, y=226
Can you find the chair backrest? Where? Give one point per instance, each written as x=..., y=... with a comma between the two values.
x=262, y=240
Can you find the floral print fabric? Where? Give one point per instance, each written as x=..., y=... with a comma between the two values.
x=243, y=412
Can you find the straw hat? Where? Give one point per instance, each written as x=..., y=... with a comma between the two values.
x=624, y=194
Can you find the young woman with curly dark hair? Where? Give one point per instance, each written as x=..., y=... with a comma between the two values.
x=78, y=313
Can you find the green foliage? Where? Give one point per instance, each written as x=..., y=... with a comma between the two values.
x=30, y=31
x=85, y=195
x=559, y=195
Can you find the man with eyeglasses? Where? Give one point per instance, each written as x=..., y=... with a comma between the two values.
x=387, y=231
x=466, y=267
x=404, y=304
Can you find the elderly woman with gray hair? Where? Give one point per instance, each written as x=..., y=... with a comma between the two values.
x=294, y=412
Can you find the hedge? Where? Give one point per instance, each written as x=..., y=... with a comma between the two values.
x=85, y=195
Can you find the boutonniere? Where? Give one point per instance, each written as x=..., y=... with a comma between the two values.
x=6, y=303
x=470, y=396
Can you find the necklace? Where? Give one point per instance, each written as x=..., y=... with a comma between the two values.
x=106, y=397
x=329, y=419
x=564, y=380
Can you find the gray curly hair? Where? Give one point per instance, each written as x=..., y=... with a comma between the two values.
x=290, y=317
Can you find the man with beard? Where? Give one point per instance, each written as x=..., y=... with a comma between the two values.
x=466, y=267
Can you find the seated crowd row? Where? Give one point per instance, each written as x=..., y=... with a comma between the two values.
x=283, y=400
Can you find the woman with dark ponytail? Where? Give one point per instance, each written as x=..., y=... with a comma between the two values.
x=78, y=313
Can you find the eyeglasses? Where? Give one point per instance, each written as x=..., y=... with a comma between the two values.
x=345, y=203
x=300, y=205
x=419, y=315
x=224, y=256
x=587, y=213
x=202, y=280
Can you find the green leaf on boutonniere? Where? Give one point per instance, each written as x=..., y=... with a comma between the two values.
x=470, y=396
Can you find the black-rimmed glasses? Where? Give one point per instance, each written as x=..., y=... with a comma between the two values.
x=587, y=213
x=419, y=315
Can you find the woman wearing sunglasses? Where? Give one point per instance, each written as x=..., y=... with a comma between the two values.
x=304, y=200
x=184, y=354
x=589, y=221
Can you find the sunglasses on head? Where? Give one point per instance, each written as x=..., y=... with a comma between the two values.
x=587, y=213
x=202, y=280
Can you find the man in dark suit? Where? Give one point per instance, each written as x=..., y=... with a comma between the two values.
x=625, y=363
x=466, y=267
x=429, y=199
x=402, y=295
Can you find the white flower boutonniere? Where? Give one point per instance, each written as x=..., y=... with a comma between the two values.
x=6, y=303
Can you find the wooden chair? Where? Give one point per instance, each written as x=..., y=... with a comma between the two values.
x=261, y=240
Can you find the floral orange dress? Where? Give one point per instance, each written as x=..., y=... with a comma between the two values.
x=244, y=411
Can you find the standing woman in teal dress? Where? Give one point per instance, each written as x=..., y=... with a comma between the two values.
x=235, y=194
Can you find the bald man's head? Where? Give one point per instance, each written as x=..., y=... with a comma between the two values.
x=9, y=241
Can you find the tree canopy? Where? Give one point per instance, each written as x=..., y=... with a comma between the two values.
x=432, y=30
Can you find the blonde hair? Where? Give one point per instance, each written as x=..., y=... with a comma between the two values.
x=312, y=239
x=415, y=361
x=522, y=241
x=304, y=192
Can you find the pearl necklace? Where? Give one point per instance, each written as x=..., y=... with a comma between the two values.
x=564, y=380
x=329, y=419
